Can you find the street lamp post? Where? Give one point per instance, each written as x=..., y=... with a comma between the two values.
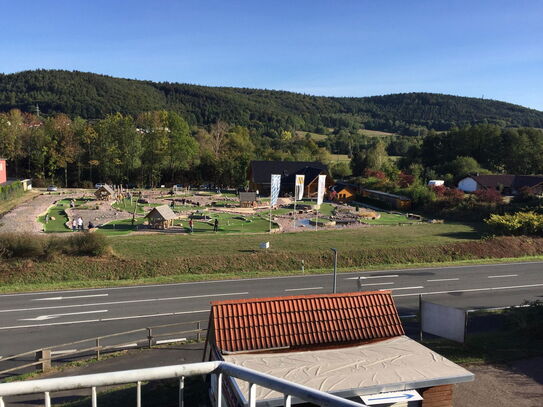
x=335, y=270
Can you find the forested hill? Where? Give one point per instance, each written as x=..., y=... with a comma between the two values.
x=93, y=96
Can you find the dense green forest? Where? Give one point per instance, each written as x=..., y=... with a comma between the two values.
x=93, y=96
x=93, y=128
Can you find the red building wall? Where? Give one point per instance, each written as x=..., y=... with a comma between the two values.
x=3, y=172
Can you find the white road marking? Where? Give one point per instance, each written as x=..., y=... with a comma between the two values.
x=408, y=316
x=364, y=278
x=45, y=317
x=104, y=319
x=131, y=287
x=469, y=290
x=171, y=341
x=404, y=288
x=128, y=345
x=123, y=302
x=69, y=298
x=366, y=285
x=303, y=289
x=504, y=275
x=444, y=279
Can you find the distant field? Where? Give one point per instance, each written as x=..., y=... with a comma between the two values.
x=375, y=133
x=340, y=158
x=314, y=136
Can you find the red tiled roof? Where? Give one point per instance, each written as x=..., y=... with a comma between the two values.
x=266, y=323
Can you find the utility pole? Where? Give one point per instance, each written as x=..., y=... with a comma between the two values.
x=335, y=270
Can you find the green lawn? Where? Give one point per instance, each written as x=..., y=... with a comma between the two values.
x=155, y=247
x=120, y=227
x=57, y=215
x=389, y=219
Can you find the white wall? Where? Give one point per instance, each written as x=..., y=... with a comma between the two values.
x=467, y=184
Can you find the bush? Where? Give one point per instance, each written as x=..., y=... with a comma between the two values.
x=520, y=223
x=89, y=244
x=526, y=320
x=488, y=196
x=28, y=246
x=10, y=191
x=21, y=245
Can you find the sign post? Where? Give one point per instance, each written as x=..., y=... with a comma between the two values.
x=320, y=196
x=298, y=192
x=274, y=193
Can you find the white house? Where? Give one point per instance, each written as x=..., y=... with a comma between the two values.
x=436, y=183
x=467, y=184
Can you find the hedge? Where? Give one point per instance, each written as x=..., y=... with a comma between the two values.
x=11, y=191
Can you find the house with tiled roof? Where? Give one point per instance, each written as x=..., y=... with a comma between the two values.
x=351, y=345
x=506, y=184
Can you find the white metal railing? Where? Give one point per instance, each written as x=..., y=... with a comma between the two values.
x=220, y=369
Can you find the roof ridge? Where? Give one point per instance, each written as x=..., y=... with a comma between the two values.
x=301, y=296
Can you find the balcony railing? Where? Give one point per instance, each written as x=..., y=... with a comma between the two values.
x=220, y=370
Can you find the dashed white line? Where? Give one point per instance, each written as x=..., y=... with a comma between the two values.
x=470, y=290
x=366, y=285
x=45, y=317
x=365, y=278
x=504, y=275
x=69, y=298
x=444, y=279
x=124, y=302
x=104, y=319
x=60, y=352
x=304, y=289
x=406, y=288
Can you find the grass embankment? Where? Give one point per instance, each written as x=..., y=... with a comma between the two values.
x=9, y=204
x=170, y=258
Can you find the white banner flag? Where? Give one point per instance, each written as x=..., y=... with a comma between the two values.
x=299, y=187
x=275, y=186
x=322, y=187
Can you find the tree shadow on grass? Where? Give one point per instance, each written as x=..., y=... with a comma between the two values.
x=478, y=230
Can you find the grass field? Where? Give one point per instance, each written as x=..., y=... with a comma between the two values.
x=375, y=133
x=340, y=158
x=314, y=136
x=388, y=219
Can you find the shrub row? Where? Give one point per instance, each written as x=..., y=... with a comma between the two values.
x=28, y=246
x=520, y=223
x=10, y=191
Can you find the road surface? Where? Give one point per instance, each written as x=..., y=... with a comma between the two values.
x=34, y=320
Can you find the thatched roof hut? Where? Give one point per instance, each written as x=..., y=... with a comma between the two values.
x=104, y=193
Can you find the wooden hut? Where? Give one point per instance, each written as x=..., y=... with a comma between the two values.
x=104, y=193
x=161, y=217
x=247, y=199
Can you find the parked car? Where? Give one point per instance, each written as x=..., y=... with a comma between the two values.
x=51, y=188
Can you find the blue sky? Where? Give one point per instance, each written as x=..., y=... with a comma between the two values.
x=336, y=48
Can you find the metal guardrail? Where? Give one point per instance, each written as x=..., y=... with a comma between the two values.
x=44, y=356
x=218, y=369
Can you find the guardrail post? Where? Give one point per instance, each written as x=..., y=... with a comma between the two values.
x=149, y=337
x=94, y=397
x=44, y=357
x=252, y=395
x=181, y=390
x=2, y=402
x=47, y=399
x=138, y=395
x=198, y=335
x=288, y=400
x=219, y=390
x=97, y=348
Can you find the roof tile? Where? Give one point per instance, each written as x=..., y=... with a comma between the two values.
x=305, y=320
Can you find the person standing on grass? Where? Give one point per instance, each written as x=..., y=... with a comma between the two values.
x=80, y=223
x=74, y=225
x=191, y=225
x=216, y=225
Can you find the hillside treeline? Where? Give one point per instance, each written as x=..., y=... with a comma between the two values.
x=93, y=96
x=151, y=148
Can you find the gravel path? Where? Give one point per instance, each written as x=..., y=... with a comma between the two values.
x=23, y=218
x=520, y=385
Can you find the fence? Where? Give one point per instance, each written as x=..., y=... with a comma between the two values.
x=218, y=369
x=43, y=357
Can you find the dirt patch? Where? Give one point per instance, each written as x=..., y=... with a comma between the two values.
x=519, y=385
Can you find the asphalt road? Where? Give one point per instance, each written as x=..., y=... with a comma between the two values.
x=34, y=320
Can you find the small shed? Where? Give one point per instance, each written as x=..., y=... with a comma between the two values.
x=247, y=199
x=161, y=217
x=343, y=192
x=104, y=193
